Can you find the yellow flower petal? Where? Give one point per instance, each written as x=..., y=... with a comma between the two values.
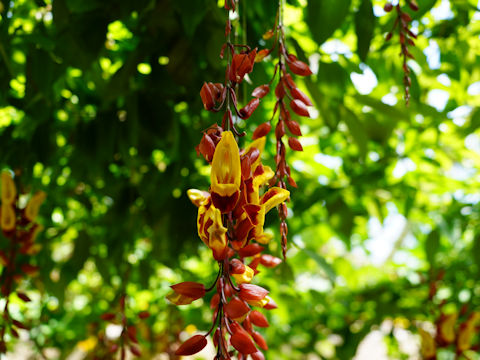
x=226, y=169
x=33, y=206
x=273, y=197
x=9, y=191
x=447, y=327
x=245, y=277
x=262, y=177
x=198, y=197
x=8, y=218
x=217, y=240
x=260, y=145
x=428, y=344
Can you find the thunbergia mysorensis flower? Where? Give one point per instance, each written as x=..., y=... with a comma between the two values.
x=230, y=222
x=456, y=331
x=231, y=214
x=20, y=230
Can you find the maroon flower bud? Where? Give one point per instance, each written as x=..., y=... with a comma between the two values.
x=299, y=68
x=251, y=250
x=192, y=345
x=294, y=127
x=248, y=109
x=262, y=344
x=236, y=308
x=190, y=289
x=258, y=319
x=300, y=95
x=236, y=267
x=261, y=130
x=107, y=316
x=279, y=130
x=252, y=292
x=242, y=342
x=269, y=260
x=261, y=91
x=295, y=144
x=299, y=107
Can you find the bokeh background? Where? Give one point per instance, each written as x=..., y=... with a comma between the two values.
x=100, y=108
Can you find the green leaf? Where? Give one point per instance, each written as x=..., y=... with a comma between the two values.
x=325, y=16
x=476, y=251
x=320, y=260
x=394, y=113
x=364, y=27
x=357, y=130
x=432, y=245
x=81, y=6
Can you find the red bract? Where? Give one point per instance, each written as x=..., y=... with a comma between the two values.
x=269, y=260
x=300, y=95
x=258, y=319
x=210, y=94
x=143, y=314
x=135, y=351
x=270, y=305
x=248, y=109
x=299, y=107
x=299, y=67
x=192, y=345
x=295, y=144
x=236, y=266
x=251, y=250
x=206, y=147
x=261, y=91
x=280, y=130
x=257, y=356
x=260, y=340
x=189, y=288
x=107, y=316
x=215, y=301
x=261, y=130
x=23, y=297
x=242, y=64
x=279, y=91
x=294, y=127
x=241, y=341
x=261, y=55
x=236, y=308
x=252, y=292
x=19, y=324
x=29, y=269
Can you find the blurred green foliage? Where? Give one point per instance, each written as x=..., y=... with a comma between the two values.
x=100, y=108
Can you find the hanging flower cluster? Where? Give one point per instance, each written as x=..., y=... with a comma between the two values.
x=230, y=222
x=231, y=215
x=452, y=333
x=406, y=36
x=106, y=349
x=20, y=229
x=289, y=97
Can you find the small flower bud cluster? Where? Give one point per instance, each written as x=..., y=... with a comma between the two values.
x=20, y=229
x=452, y=333
x=107, y=348
x=457, y=331
x=289, y=97
x=406, y=37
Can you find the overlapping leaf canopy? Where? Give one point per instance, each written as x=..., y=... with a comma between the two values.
x=100, y=108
